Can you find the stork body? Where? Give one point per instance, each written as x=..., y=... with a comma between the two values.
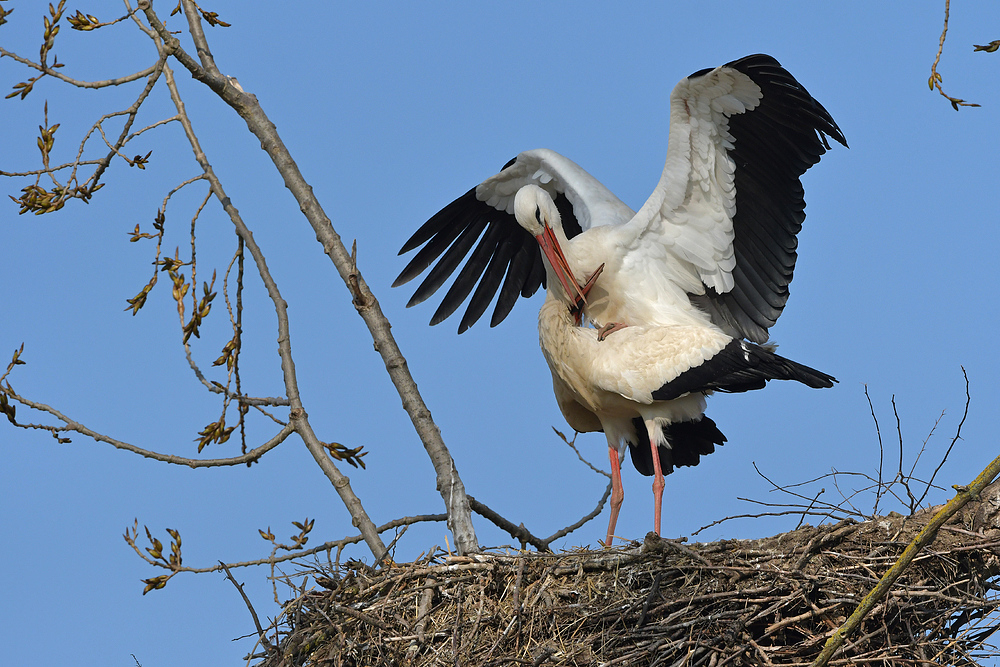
x=688, y=286
x=643, y=385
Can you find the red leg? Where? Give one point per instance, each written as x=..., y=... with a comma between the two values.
x=617, y=493
x=658, y=482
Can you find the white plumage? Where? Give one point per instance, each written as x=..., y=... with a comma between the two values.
x=677, y=293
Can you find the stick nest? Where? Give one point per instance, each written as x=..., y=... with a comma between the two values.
x=734, y=602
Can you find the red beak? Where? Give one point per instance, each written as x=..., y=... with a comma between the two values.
x=550, y=246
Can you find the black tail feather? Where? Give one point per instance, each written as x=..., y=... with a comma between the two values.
x=741, y=366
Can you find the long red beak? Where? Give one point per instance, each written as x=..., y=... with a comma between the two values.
x=550, y=246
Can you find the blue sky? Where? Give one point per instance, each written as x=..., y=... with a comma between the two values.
x=391, y=112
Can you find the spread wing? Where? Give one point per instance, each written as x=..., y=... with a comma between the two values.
x=506, y=258
x=722, y=221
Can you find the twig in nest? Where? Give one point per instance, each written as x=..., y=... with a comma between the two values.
x=543, y=656
x=389, y=548
x=958, y=436
x=654, y=590
x=518, y=606
x=926, y=536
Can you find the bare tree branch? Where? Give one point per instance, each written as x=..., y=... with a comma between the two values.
x=117, y=81
x=936, y=79
x=253, y=612
x=71, y=425
x=593, y=514
x=449, y=483
x=958, y=436
x=294, y=553
x=299, y=419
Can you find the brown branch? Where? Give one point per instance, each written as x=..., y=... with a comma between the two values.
x=131, y=114
x=519, y=533
x=570, y=528
x=936, y=79
x=50, y=170
x=117, y=81
x=958, y=436
x=274, y=560
x=449, y=483
x=572, y=445
x=71, y=425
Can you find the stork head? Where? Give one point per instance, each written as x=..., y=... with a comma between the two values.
x=536, y=212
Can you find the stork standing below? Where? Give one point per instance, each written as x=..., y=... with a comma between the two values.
x=680, y=294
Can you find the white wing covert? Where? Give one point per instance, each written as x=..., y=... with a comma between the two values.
x=723, y=219
x=690, y=213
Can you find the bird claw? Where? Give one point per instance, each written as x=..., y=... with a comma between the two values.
x=609, y=329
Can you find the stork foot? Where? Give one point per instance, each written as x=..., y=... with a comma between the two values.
x=609, y=329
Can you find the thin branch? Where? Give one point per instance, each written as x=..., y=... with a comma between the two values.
x=569, y=529
x=923, y=445
x=936, y=79
x=117, y=81
x=958, y=435
x=131, y=112
x=795, y=512
x=71, y=425
x=519, y=533
x=292, y=555
x=51, y=170
x=881, y=453
x=253, y=612
x=792, y=493
x=572, y=445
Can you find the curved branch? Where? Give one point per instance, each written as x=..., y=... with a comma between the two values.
x=117, y=81
x=70, y=425
x=524, y=535
x=517, y=532
x=935, y=80
x=570, y=528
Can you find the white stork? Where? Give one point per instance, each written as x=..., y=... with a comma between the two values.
x=681, y=294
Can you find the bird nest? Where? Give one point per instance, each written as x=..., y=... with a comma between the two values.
x=772, y=601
